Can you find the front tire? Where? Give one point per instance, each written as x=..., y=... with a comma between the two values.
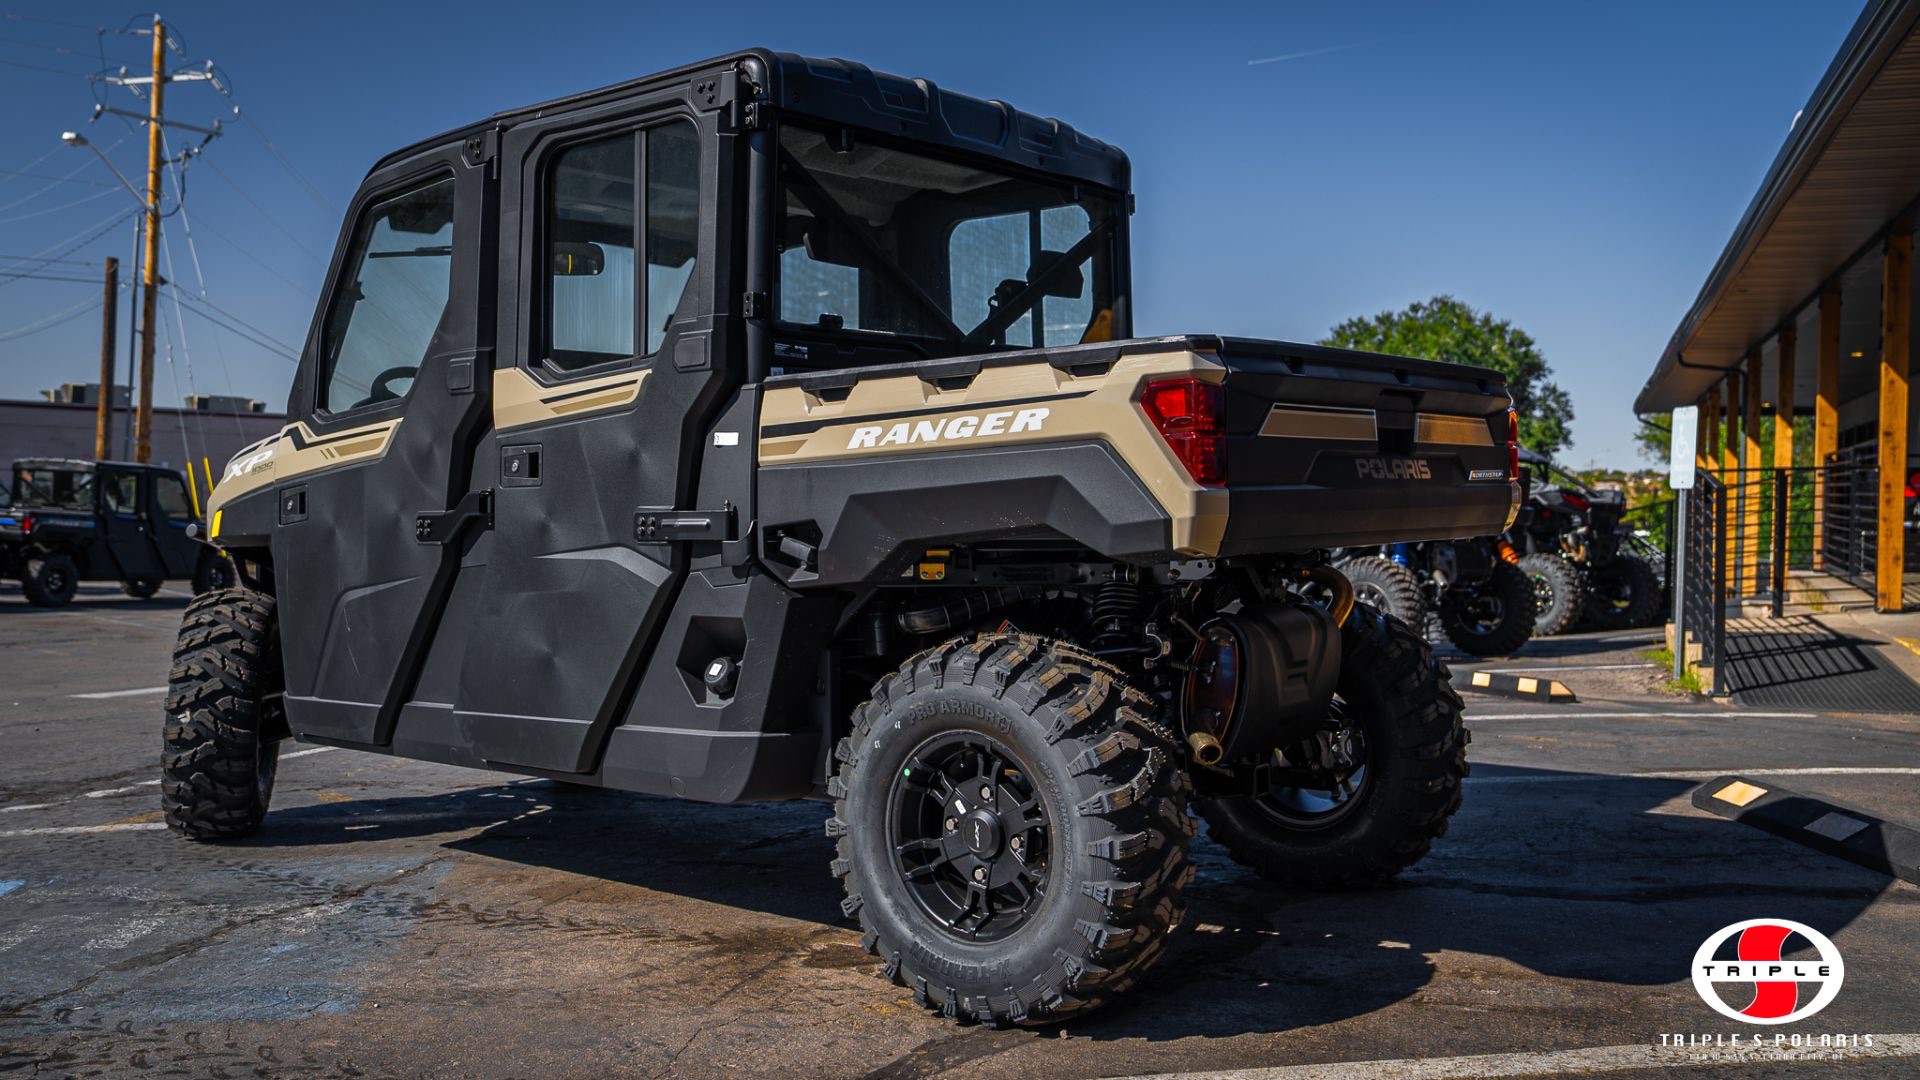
x=50, y=580
x=1406, y=716
x=1387, y=586
x=1559, y=592
x=221, y=740
x=1012, y=829
x=1493, y=617
x=215, y=572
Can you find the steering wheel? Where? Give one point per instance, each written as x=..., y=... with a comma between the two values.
x=381, y=391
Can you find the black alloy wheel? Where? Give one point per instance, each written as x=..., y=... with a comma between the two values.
x=970, y=836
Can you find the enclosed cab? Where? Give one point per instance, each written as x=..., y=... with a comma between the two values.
x=68, y=521
x=775, y=428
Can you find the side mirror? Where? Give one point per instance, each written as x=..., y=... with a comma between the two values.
x=577, y=258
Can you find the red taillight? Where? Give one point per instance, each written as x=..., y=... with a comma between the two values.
x=1186, y=412
x=1513, y=445
x=26, y=524
x=1913, y=486
x=1578, y=502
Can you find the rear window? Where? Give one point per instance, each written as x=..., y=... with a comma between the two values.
x=61, y=489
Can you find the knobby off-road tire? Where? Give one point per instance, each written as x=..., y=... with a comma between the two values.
x=140, y=588
x=1468, y=615
x=50, y=580
x=1559, y=592
x=1080, y=748
x=1622, y=594
x=1387, y=586
x=221, y=741
x=1416, y=760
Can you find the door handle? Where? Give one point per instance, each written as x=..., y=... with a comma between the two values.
x=443, y=527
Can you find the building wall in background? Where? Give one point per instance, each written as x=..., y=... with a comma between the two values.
x=53, y=429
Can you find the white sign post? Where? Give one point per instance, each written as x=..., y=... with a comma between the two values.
x=1684, y=435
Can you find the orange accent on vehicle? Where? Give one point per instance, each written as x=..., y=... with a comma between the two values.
x=1507, y=552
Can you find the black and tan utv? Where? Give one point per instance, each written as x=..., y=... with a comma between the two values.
x=773, y=428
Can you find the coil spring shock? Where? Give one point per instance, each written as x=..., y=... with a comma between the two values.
x=1116, y=609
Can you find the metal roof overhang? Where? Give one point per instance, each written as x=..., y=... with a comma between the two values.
x=1850, y=166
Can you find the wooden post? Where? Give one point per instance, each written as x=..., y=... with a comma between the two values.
x=1826, y=415
x=109, y=318
x=1751, y=481
x=1704, y=433
x=150, y=271
x=1896, y=317
x=1730, y=439
x=1783, y=403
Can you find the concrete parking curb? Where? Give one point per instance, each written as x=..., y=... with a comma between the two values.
x=1514, y=686
x=1853, y=835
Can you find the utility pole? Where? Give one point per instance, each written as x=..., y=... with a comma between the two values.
x=109, y=320
x=149, y=273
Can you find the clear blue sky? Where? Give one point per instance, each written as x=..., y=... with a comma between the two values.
x=1573, y=167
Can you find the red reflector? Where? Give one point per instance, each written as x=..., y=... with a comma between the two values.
x=1513, y=445
x=26, y=524
x=1913, y=486
x=1578, y=502
x=1186, y=412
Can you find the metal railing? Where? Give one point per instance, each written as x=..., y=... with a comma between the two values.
x=1703, y=600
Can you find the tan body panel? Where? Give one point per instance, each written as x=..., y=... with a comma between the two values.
x=297, y=451
x=1078, y=408
x=520, y=401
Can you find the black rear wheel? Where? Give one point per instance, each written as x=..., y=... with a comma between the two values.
x=1389, y=771
x=1493, y=617
x=1559, y=591
x=1385, y=585
x=1622, y=593
x=140, y=588
x=50, y=580
x=1011, y=829
x=221, y=741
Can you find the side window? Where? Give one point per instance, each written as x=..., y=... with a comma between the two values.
x=673, y=220
x=170, y=498
x=992, y=259
x=399, y=275
x=122, y=492
x=591, y=292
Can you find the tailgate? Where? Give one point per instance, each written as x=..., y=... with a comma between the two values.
x=1330, y=448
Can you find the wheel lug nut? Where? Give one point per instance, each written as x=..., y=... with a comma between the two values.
x=979, y=873
x=1014, y=843
x=986, y=792
x=952, y=824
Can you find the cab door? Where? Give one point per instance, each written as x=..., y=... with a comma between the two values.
x=607, y=383
x=389, y=401
x=123, y=516
x=171, y=513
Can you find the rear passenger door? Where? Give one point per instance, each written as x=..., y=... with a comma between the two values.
x=602, y=396
x=123, y=514
x=387, y=407
x=171, y=514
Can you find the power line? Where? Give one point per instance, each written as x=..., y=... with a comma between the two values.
x=76, y=171
x=51, y=321
x=43, y=67
x=244, y=329
x=271, y=219
x=299, y=177
x=95, y=197
x=91, y=233
x=49, y=176
x=11, y=16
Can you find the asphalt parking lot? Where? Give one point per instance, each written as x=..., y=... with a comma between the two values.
x=397, y=918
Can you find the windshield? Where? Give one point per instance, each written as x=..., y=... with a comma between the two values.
x=53, y=488
x=883, y=240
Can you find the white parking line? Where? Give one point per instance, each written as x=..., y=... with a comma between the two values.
x=1592, y=1059
x=103, y=695
x=63, y=830
x=1569, y=667
x=1575, y=714
x=1693, y=774
x=134, y=788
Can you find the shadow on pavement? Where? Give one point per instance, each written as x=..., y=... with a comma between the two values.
x=1565, y=874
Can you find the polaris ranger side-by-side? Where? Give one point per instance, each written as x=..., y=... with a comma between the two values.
x=67, y=520
x=771, y=428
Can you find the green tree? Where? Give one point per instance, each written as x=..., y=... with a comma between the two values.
x=1443, y=328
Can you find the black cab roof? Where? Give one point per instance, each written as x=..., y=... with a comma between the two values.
x=845, y=92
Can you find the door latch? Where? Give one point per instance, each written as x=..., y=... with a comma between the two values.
x=652, y=525
x=444, y=527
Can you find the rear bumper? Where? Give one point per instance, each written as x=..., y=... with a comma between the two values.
x=1296, y=517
